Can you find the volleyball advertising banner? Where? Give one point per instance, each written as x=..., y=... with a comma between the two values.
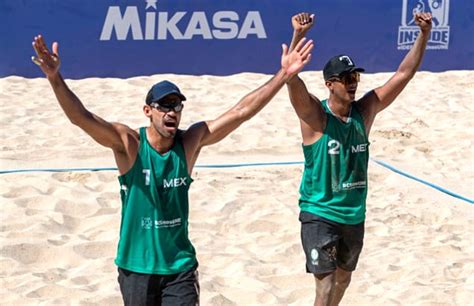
x=125, y=38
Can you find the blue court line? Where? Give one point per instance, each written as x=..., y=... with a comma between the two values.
x=250, y=165
x=384, y=164
x=381, y=163
x=56, y=170
x=115, y=168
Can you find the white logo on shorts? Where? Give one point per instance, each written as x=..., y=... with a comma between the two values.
x=314, y=257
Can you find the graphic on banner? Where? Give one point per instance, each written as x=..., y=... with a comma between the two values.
x=151, y=3
x=158, y=24
x=408, y=30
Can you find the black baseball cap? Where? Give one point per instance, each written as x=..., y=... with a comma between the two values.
x=338, y=65
x=161, y=90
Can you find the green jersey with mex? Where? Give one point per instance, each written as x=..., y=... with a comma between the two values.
x=334, y=183
x=154, y=228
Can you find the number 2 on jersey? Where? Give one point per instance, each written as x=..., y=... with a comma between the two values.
x=333, y=147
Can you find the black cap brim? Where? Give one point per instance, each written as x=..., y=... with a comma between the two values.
x=354, y=69
x=350, y=70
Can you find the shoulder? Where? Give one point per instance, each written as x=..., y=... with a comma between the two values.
x=123, y=128
x=357, y=106
x=192, y=137
x=129, y=136
x=194, y=132
x=129, y=132
x=365, y=104
x=180, y=134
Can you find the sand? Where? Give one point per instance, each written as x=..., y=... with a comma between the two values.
x=59, y=231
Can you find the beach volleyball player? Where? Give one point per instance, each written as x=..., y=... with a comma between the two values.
x=335, y=133
x=156, y=261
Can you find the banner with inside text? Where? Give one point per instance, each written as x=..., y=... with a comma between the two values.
x=126, y=38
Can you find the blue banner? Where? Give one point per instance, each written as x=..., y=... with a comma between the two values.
x=125, y=38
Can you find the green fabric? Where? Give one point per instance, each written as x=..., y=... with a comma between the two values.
x=334, y=183
x=154, y=229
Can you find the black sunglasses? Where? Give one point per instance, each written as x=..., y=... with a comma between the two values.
x=347, y=78
x=177, y=107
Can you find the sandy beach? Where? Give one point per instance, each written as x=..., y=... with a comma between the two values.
x=59, y=231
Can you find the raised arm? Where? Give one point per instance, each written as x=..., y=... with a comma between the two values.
x=381, y=97
x=112, y=135
x=209, y=132
x=307, y=106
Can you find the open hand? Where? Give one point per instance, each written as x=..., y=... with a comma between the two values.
x=294, y=61
x=423, y=20
x=48, y=62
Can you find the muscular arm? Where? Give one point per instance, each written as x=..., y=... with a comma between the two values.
x=245, y=109
x=307, y=106
x=212, y=131
x=120, y=138
x=309, y=110
x=105, y=133
x=381, y=97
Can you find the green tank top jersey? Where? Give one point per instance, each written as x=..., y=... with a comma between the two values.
x=334, y=183
x=154, y=229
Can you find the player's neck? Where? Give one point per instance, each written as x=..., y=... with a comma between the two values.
x=159, y=142
x=339, y=108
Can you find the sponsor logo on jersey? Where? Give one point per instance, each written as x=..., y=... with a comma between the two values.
x=149, y=223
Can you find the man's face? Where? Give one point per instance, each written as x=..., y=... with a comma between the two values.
x=165, y=115
x=344, y=86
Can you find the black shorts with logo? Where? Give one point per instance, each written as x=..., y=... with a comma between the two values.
x=328, y=244
x=153, y=289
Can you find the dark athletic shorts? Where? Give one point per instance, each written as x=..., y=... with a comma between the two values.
x=328, y=244
x=153, y=289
